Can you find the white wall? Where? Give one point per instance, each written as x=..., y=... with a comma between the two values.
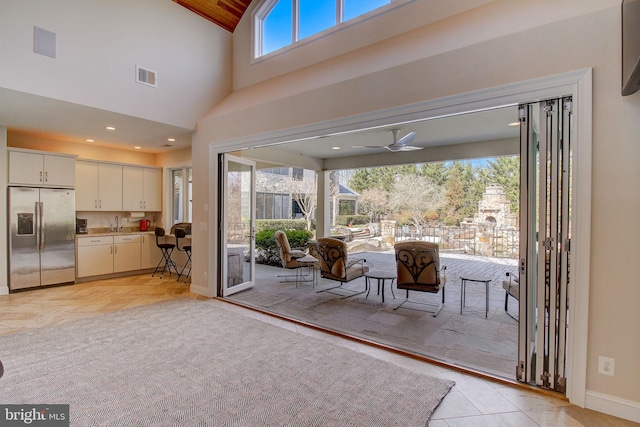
x=99, y=43
x=500, y=43
x=346, y=40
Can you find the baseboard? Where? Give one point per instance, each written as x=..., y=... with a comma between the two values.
x=612, y=405
x=200, y=290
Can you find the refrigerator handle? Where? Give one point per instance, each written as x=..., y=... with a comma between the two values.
x=37, y=225
x=41, y=228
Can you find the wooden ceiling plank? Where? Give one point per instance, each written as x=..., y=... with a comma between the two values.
x=224, y=13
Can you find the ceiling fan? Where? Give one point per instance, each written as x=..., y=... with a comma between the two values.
x=401, y=144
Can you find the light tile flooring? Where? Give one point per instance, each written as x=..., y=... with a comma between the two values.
x=472, y=402
x=469, y=339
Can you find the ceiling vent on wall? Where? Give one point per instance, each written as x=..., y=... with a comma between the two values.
x=146, y=77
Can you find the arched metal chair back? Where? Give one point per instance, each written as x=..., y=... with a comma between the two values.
x=418, y=269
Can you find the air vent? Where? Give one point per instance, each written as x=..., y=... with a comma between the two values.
x=146, y=77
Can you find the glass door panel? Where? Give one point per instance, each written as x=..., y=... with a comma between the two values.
x=238, y=225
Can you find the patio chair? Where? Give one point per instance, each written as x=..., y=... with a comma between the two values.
x=293, y=259
x=512, y=288
x=418, y=268
x=335, y=264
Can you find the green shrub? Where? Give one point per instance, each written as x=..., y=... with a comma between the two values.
x=353, y=219
x=266, y=249
x=280, y=224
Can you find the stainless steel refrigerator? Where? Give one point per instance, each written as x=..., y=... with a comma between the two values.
x=41, y=237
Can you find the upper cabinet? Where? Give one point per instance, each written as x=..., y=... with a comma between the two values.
x=41, y=169
x=98, y=186
x=143, y=189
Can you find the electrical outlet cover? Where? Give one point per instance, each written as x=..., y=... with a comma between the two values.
x=606, y=365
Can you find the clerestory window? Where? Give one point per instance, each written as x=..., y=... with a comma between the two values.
x=280, y=23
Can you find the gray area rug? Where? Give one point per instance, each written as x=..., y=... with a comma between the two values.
x=191, y=363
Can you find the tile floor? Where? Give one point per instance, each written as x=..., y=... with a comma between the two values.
x=469, y=339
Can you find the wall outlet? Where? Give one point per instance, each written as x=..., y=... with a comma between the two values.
x=204, y=275
x=606, y=365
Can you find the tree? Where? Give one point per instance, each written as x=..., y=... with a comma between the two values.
x=382, y=178
x=304, y=192
x=456, y=187
x=416, y=197
x=373, y=202
x=438, y=173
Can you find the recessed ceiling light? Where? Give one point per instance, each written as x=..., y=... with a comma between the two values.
x=137, y=148
x=110, y=128
x=336, y=148
x=89, y=140
x=514, y=124
x=171, y=139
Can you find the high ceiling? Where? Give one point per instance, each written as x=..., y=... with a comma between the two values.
x=46, y=118
x=225, y=13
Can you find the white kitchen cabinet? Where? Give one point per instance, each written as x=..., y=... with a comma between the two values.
x=152, y=190
x=151, y=253
x=100, y=255
x=95, y=256
x=126, y=253
x=142, y=189
x=98, y=186
x=41, y=169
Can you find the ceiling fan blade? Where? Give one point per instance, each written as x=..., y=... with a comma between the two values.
x=410, y=148
x=407, y=139
x=369, y=146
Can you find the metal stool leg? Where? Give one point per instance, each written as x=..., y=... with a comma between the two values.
x=188, y=262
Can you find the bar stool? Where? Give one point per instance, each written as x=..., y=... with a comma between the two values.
x=167, y=250
x=181, y=234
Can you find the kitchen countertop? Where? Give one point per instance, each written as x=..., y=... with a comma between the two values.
x=114, y=233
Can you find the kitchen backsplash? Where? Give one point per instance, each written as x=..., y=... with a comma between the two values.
x=102, y=222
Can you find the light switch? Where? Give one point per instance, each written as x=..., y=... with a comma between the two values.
x=203, y=226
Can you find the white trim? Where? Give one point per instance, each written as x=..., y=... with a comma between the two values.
x=581, y=247
x=627, y=409
x=575, y=83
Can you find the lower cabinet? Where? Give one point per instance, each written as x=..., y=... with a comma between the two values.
x=102, y=255
x=95, y=256
x=126, y=253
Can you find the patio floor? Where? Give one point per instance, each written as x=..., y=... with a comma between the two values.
x=469, y=339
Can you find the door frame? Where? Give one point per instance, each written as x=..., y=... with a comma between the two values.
x=577, y=84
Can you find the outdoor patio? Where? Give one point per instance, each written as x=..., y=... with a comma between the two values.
x=469, y=339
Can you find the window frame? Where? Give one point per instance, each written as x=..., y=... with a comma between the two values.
x=262, y=11
x=186, y=192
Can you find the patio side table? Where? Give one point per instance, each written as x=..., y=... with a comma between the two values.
x=309, y=262
x=382, y=276
x=463, y=290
